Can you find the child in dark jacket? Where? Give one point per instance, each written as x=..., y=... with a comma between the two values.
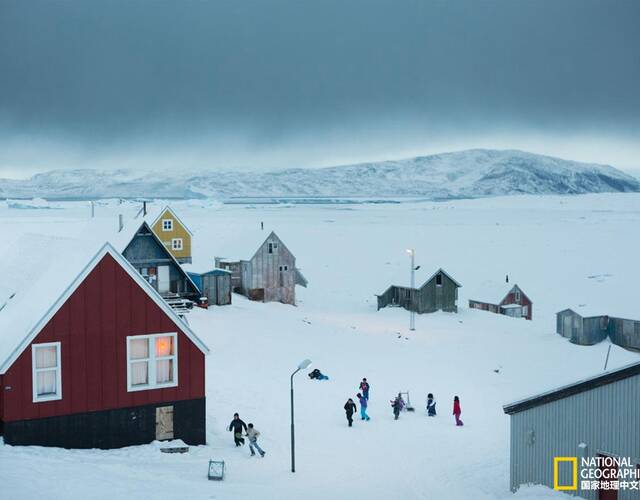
x=364, y=388
x=350, y=409
x=397, y=404
x=431, y=405
x=457, y=411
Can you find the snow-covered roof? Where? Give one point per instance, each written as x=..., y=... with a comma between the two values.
x=605, y=308
x=583, y=385
x=41, y=273
x=511, y=306
x=203, y=268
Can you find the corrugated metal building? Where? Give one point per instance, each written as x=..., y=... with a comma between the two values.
x=590, y=329
x=214, y=284
x=599, y=416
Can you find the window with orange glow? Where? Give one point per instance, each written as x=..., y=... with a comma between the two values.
x=152, y=361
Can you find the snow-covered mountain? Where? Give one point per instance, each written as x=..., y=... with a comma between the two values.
x=465, y=174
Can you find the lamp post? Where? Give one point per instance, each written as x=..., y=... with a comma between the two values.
x=412, y=314
x=304, y=364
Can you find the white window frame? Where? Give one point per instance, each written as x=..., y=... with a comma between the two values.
x=176, y=240
x=34, y=371
x=169, y=226
x=151, y=367
x=517, y=294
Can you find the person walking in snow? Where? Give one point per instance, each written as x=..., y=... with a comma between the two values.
x=252, y=436
x=364, y=388
x=236, y=426
x=457, y=411
x=397, y=404
x=363, y=407
x=350, y=409
x=431, y=405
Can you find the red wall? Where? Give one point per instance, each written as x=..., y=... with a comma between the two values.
x=524, y=301
x=92, y=327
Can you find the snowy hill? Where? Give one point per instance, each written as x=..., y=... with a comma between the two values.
x=466, y=174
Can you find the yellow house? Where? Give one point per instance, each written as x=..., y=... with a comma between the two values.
x=173, y=234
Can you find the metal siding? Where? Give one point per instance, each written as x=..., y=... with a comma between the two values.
x=605, y=418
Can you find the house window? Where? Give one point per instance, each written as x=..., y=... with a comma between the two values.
x=152, y=361
x=439, y=279
x=167, y=224
x=176, y=244
x=518, y=296
x=272, y=246
x=284, y=268
x=46, y=371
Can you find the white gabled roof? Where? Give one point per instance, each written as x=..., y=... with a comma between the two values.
x=42, y=273
x=175, y=216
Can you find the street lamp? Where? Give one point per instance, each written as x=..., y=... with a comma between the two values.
x=412, y=313
x=304, y=364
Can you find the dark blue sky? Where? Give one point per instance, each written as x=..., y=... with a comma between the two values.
x=270, y=83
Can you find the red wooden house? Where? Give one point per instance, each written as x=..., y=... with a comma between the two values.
x=91, y=356
x=515, y=304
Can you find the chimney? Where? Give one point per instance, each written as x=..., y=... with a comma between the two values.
x=120, y=223
x=93, y=210
x=144, y=208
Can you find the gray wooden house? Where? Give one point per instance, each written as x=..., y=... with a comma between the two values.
x=596, y=417
x=587, y=329
x=270, y=275
x=438, y=293
x=156, y=264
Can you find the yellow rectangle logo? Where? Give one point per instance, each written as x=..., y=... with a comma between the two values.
x=564, y=487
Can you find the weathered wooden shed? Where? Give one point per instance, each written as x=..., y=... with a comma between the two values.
x=438, y=293
x=92, y=356
x=235, y=268
x=515, y=304
x=589, y=328
x=596, y=417
x=270, y=275
x=214, y=284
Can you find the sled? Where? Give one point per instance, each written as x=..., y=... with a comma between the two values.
x=174, y=449
x=407, y=405
x=216, y=470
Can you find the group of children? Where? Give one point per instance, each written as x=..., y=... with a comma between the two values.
x=236, y=426
x=397, y=404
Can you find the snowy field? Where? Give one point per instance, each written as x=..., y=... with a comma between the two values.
x=563, y=252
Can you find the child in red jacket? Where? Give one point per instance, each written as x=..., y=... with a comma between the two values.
x=456, y=410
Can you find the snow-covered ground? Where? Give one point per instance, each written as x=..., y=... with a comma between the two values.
x=563, y=251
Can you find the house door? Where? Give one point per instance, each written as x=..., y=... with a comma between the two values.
x=607, y=494
x=164, y=423
x=567, y=326
x=164, y=283
x=439, y=295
